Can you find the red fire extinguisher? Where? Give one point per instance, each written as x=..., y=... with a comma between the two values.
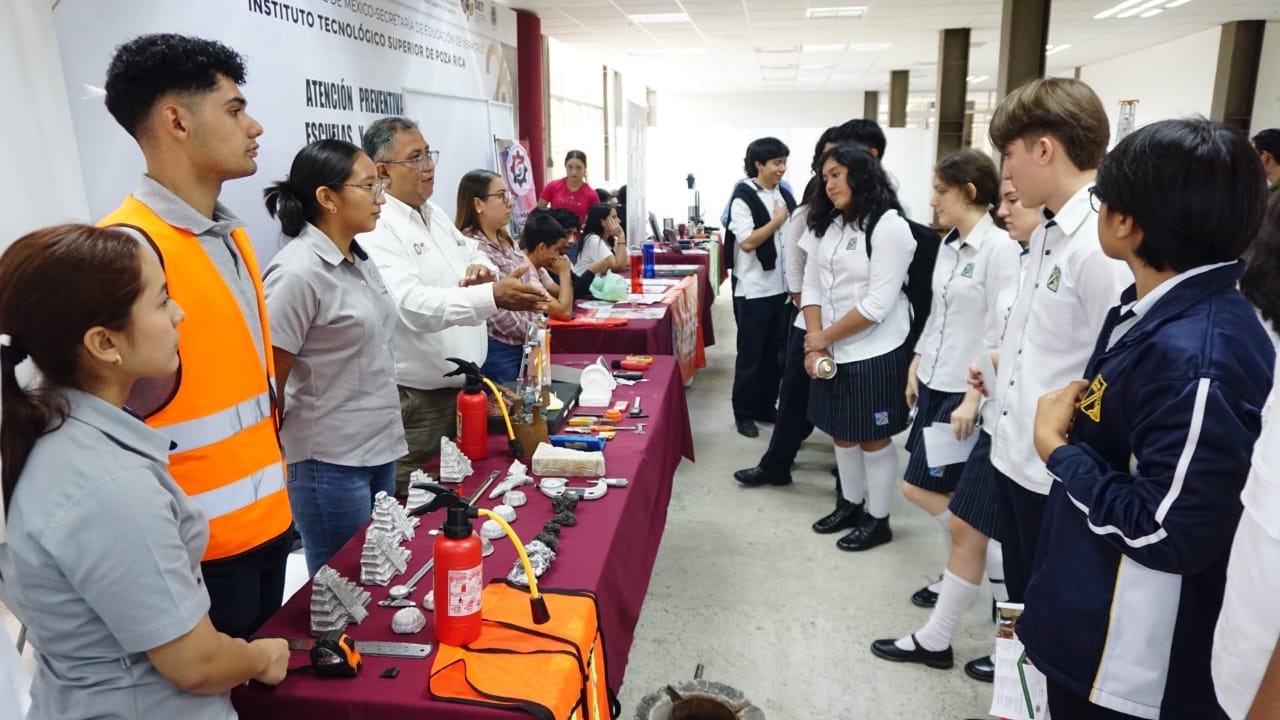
x=473, y=411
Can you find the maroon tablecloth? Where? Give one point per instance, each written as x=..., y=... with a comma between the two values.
x=705, y=294
x=637, y=337
x=610, y=551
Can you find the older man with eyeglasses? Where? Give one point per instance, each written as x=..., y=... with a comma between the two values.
x=443, y=287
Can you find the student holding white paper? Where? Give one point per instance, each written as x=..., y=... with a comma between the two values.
x=971, y=510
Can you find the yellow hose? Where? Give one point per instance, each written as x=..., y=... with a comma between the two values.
x=502, y=405
x=515, y=540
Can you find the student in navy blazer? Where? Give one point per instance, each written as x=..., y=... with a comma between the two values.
x=1150, y=451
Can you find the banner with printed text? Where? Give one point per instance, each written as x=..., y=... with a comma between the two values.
x=316, y=69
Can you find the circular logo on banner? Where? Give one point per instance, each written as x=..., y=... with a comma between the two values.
x=518, y=171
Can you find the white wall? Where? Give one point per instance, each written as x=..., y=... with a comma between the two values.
x=41, y=184
x=707, y=135
x=1169, y=80
x=1266, y=101
x=797, y=109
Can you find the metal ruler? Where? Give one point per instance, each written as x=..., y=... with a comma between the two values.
x=371, y=647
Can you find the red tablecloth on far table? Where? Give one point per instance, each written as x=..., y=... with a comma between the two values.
x=610, y=551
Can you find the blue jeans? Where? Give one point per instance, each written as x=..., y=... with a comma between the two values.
x=332, y=502
x=502, y=364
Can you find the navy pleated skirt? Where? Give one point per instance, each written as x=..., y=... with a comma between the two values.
x=975, y=498
x=865, y=400
x=931, y=407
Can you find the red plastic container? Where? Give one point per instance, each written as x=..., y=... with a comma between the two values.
x=458, y=582
x=637, y=272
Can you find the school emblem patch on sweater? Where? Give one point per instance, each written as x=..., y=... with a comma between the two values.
x=1091, y=403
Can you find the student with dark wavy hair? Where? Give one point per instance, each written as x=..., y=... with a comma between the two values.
x=331, y=329
x=1148, y=454
x=179, y=97
x=858, y=248
x=101, y=559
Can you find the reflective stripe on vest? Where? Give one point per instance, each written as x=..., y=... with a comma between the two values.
x=241, y=493
x=222, y=415
x=210, y=429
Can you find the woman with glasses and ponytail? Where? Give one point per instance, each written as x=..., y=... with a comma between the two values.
x=101, y=553
x=331, y=324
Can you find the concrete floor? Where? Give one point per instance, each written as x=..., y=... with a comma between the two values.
x=743, y=585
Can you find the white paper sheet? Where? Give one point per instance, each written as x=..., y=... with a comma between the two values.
x=942, y=448
x=987, y=369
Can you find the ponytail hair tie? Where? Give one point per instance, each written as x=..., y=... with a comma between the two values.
x=9, y=352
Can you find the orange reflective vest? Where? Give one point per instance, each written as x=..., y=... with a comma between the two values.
x=554, y=671
x=221, y=418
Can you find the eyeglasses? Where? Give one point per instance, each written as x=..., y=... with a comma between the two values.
x=506, y=195
x=378, y=188
x=1095, y=200
x=420, y=162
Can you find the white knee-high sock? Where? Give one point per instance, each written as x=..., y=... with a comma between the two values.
x=953, y=600
x=944, y=524
x=995, y=571
x=882, y=477
x=853, y=478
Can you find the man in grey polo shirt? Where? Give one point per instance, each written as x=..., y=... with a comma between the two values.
x=442, y=284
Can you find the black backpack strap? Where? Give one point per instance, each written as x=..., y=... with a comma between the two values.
x=767, y=252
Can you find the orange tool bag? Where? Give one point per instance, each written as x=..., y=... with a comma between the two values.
x=553, y=671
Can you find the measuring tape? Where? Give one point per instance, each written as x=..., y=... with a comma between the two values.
x=372, y=647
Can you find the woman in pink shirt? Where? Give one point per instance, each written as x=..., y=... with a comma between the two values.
x=571, y=191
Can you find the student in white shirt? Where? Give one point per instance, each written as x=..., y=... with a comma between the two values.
x=858, y=248
x=976, y=262
x=443, y=286
x=603, y=244
x=1246, y=644
x=1052, y=133
x=760, y=286
x=973, y=506
x=792, y=427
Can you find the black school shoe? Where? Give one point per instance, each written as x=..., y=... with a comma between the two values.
x=757, y=476
x=747, y=428
x=847, y=515
x=889, y=650
x=872, y=531
x=983, y=669
x=924, y=597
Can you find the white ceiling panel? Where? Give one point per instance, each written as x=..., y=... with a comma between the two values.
x=732, y=31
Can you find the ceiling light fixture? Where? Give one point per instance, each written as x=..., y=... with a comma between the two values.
x=788, y=49
x=1113, y=10
x=823, y=47
x=1149, y=13
x=870, y=46
x=1054, y=49
x=977, y=78
x=842, y=11
x=669, y=51
x=659, y=18
x=1141, y=8
x=1176, y=3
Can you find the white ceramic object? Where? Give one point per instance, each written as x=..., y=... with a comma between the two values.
x=514, y=498
x=408, y=621
x=597, y=386
x=506, y=512
x=491, y=530
x=429, y=601
x=454, y=466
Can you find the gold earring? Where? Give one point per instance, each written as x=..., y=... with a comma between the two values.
x=119, y=360
x=333, y=209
